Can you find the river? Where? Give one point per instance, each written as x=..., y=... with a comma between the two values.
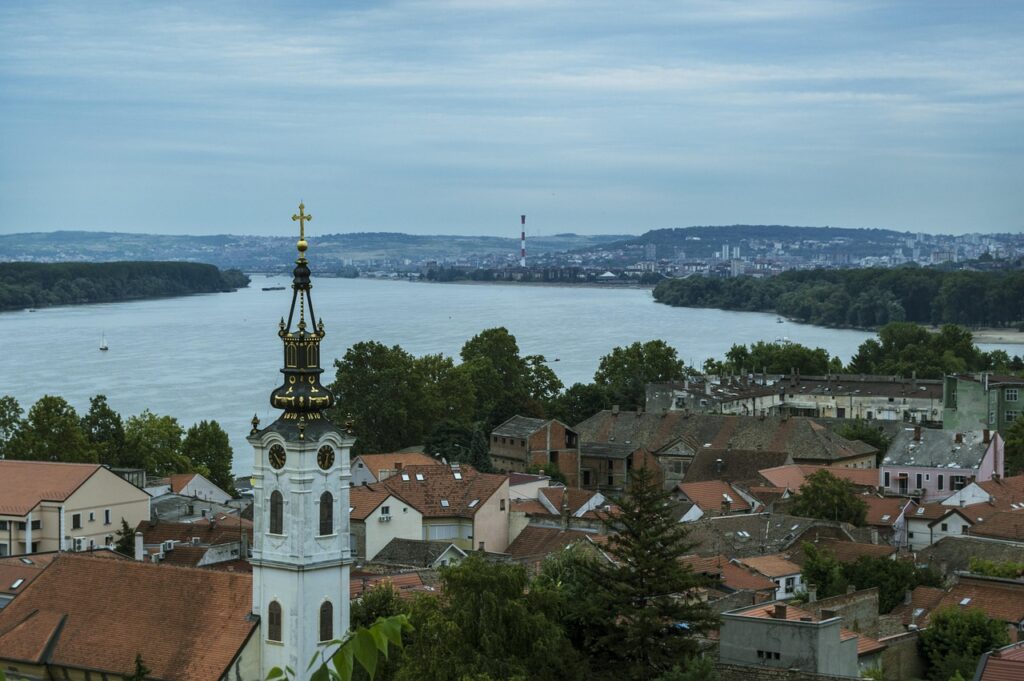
x=216, y=356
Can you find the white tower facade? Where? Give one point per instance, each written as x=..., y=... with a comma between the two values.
x=301, y=500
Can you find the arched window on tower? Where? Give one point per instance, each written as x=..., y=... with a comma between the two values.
x=326, y=514
x=274, y=621
x=276, y=513
x=326, y=621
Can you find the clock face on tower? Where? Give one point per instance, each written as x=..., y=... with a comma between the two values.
x=325, y=457
x=277, y=456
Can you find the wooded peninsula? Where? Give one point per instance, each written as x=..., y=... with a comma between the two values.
x=31, y=285
x=862, y=298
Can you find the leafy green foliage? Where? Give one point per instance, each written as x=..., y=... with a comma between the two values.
x=24, y=284
x=775, y=358
x=825, y=496
x=869, y=297
x=1007, y=570
x=382, y=601
x=892, y=578
x=625, y=372
x=337, y=659
x=125, y=544
x=859, y=429
x=154, y=443
x=51, y=432
x=462, y=442
x=10, y=421
x=207, y=446
x=695, y=669
x=549, y=469
x=641, y=626
x=955, y=639
x=1014, y=447
x=486, y=622
x=141, y=670
x=105, y=430
x=579, y=402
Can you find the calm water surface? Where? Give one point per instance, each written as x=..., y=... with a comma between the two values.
x=217, y=356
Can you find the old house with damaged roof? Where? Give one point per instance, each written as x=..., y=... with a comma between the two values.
x=930, y=464
x=521, y=442
x=49, y=506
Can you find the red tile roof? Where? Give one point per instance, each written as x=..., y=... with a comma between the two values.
x=885, y=511
x=1001, y=525
x=1005, y=664
x=710, y=494
x=575, y=497
x=772, y=566
x=364, y=500
x=1000, y=599
x=540, y=541
x=445, y=491
x=375, y=463
x=179, y=481
x=23, y=484
x=731, y=575
x=530, y=507
x=407, y=584
x=923, y=600
x=793, y=475
x=223, y=533
x=97, y=614
x=13, y=568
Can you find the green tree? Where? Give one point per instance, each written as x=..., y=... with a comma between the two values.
x=51, y=431
x=10, y=422
x=825, y=496
x=125, y=543
x=955, y=639
x=859, y=429
x=141, y=670
x=893, y=578
x=486, y=622
x=154, y=443
x=362, y=646
x=695, y=669
x=105, y=430
x=625, y=372
x=1014, y=448
x=579, y=402
x=461, y=442
x=823, y=571
x=382, y=601
x=645, y=624
x=206, y=446
x=778, y=358
x=504, y=383
x=991, y=568
x=549, y=469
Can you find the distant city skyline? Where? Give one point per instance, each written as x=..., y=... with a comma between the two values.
x=456, y=117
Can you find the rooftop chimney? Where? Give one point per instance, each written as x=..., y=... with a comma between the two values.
x=719, y=466
x=812, y=593
x=140, y=550
x=829, y=614
x=986, y=435
x=481, y=546
x=917, y=433
x=726, y=506
x=959, y=438
x=780, y=611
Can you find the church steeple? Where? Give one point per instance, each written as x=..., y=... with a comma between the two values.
x=301, y=396
x=301, y=556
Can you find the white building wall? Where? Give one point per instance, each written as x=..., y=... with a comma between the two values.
x=201, y=488
x=406, y=523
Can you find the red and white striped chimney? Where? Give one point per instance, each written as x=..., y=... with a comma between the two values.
x=522, y=241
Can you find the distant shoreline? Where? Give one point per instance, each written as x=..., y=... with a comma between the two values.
x=561, y=284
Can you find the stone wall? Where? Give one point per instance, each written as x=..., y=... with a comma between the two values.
x=859, y=609
x=901, y=658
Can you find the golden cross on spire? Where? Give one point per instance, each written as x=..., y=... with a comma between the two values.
x=302, y=217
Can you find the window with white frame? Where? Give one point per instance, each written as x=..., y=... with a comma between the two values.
x=1011, y=394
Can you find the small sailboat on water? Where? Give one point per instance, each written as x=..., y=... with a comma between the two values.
x=103, y=343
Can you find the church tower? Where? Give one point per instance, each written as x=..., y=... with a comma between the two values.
x=300, y=560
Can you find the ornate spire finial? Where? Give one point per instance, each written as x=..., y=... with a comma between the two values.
x=301, y=217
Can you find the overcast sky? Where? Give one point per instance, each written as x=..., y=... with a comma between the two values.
x=455, y=117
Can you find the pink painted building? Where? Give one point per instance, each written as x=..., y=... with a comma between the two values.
x=933, y=464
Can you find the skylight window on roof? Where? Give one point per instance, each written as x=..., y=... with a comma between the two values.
x=444, y=503
x=405, y=476
x=726, y=497
x=794, y=527
x=920, y=511
x=886, y=517
x=457, y=475
x=27, y=561
x=965, y=601
x=18, y=582
x=918, y=612
x=351, y=508
x=419, y=476
x=473, y=503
